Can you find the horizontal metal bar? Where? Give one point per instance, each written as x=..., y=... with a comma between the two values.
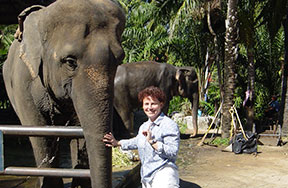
x=52, y=172
x=64, y=131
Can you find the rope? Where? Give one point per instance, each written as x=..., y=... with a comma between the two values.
x=215, y=117
x=233, y=111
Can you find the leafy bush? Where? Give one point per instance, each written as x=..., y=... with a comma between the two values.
x=175, y=105
x=120, y=159
x=182, y=127
x=6, y=39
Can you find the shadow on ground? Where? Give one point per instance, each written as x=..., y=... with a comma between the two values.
x=186, y=184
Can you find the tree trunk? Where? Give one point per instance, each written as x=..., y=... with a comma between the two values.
x=231, y=53
x=284, y=98
x=251, y=87
x=216, y=55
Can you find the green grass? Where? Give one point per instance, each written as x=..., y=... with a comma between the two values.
x=182, y=127
x=218, y=141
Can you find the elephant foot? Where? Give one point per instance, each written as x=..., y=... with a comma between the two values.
x=193, y=135
x=81, y=182
x=191, y=132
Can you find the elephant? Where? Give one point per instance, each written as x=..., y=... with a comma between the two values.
x=131, y=78
x=60, y=71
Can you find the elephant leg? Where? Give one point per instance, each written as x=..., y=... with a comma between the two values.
x=195, y=105
x=76, y=145
x=45, y=153
x=79, y=161
x=119, y=129
x=127, y=118
x=166, y=107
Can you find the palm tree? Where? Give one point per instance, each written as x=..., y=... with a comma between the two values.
x=144, y=37
x=188, y=21
x=231, y=53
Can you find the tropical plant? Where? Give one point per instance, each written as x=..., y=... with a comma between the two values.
x=187, y=32
x=6, y=38
x=144, y=37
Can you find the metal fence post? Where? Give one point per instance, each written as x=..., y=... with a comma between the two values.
x=1, y=152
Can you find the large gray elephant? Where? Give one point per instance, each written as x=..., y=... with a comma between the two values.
x=174, y=81
x=61, y=71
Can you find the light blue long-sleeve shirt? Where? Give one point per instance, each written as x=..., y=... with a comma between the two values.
x=166, y=132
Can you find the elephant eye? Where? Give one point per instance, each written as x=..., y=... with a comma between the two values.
x=71, y=62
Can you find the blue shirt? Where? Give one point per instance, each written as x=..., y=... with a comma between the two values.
x=275, y=105
x=166, y=132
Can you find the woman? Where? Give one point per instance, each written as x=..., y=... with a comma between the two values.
x=157, y=142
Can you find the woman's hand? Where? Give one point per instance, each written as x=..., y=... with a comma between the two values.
x=148, y=135
x=110, y=140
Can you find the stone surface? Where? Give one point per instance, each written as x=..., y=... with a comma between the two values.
x=203, y=121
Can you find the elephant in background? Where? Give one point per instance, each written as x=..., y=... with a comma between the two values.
x=61, y=71
x=131, y=78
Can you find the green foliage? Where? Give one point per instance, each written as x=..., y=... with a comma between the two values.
x=178, y=104
x=144, y=37
x=213, y=94
x=207, y=108
x=186, y=107
x=182, y=127
x=268, y=67
x=218, y=141
x=175, y=104
x=4, y=104
x=174, y=32
x=6, y=39
x=272, y=14
x=120, y=159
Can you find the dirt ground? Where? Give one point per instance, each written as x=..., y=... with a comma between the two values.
x=209, y=167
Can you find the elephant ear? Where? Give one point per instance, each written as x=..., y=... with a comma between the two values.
x=31, y=45
x=21, y=17
x=180, y=77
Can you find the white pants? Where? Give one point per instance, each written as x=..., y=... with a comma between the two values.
x=166, y=177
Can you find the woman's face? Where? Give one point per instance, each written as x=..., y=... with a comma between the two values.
x=152, y=107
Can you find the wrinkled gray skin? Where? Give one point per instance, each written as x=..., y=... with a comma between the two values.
x=62, y=71
x=131, y=78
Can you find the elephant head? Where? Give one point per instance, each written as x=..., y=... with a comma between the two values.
x=63, y=68
x=188, y=87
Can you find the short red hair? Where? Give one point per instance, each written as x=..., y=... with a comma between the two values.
x=154, y=92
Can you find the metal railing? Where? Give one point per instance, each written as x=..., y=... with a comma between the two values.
x=50, y=131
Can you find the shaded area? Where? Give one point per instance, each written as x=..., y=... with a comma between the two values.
x=18, y=152
x=9, y=9
x=19, y=182
x=8, y=117
x=186, y=184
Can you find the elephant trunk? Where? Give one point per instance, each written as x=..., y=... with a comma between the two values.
x=195, y=104
x=93, y=102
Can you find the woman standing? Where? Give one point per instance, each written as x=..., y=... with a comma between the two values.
x=157, y=142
